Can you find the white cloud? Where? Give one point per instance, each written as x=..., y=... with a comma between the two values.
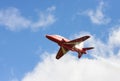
x=69, y=68
x=45, y=19
x=51, y=9
x=114, y=37
x=97, y=16
x=13, y=20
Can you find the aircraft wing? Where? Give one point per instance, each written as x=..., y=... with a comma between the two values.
x=61, y=52
x=78, y=40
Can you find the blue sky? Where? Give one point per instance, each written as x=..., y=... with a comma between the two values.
x=24, y=24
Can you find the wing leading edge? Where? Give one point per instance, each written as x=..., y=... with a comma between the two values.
x=78, y=40
x=62, y=51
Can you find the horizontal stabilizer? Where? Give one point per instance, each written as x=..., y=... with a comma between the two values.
x=88, y=48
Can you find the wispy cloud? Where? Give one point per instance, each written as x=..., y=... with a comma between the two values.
x=114, y=39
x=13, y=76
x=98, y=16
x=13, y=20
x=45, y=18
x=69, y=68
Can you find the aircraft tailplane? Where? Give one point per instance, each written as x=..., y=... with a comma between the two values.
x=88, y=48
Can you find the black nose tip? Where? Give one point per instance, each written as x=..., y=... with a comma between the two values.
x=47, y=36
x=88, y=36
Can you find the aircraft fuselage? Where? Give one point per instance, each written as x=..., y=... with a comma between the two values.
x=61, y=41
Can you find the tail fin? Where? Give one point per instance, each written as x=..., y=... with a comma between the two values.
x=88, y=48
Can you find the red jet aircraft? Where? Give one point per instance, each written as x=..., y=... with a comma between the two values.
x=66, y=45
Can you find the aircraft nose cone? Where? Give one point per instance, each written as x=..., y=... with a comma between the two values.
x=48, y=36
x=88, y=36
